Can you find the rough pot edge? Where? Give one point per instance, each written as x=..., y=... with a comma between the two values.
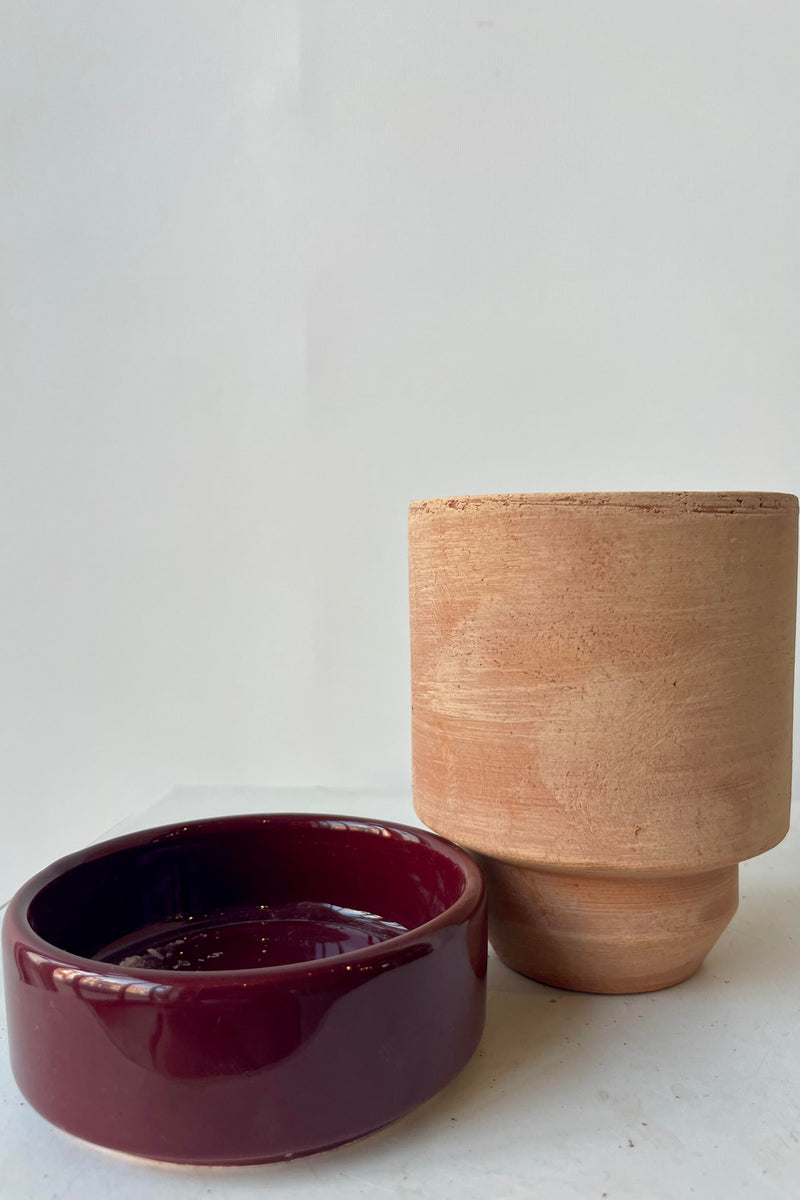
x=668, y=503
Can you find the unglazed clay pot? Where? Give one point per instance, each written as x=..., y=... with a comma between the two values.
x=602, y=710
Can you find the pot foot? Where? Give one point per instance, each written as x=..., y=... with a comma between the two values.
x=608, y=932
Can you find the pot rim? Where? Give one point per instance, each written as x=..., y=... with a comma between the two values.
x=690, y=502
x=17, y=926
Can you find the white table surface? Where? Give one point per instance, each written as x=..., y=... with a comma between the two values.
x=691, y=1092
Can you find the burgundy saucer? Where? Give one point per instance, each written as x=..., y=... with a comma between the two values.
x=245, y=989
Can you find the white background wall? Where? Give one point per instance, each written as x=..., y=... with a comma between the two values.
x=270, y=270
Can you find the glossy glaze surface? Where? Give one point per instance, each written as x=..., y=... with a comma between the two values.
x=336, y=979
x=251, y=935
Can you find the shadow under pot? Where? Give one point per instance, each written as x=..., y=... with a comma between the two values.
x=245, y=989
x=602, y=711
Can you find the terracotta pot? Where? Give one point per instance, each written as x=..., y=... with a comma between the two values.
x=602, y=710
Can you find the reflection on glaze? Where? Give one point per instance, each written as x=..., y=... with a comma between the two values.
x=249, y=936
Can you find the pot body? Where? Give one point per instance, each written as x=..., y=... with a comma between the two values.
x=602, y=709
x=251, y=1065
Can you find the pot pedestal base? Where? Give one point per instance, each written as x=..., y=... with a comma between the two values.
x=610, y=932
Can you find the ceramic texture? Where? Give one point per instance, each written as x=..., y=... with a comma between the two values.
x=602, y=710
x=203, y=1065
